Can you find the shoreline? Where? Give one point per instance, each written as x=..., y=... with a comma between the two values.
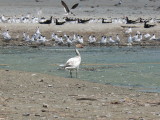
x=33, y=96
x=85, y=30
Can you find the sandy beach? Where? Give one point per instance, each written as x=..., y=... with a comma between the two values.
x=87, y=9
x=36, y=96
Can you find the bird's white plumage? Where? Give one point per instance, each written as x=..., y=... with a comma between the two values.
x=73, y=63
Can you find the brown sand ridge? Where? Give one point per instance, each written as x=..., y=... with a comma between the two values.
x=97, y=29
x=38, y=96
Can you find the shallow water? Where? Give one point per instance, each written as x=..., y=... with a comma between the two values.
x=126, y=66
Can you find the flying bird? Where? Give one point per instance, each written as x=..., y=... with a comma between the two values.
x=66, y=9
x=73, y=63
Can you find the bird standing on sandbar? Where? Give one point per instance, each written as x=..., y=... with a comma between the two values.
x=73, y=63
x=47, y=21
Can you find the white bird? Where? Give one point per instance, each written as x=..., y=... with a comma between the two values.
x=140, y=38
x=92, y=39
x=103, y=40
x=38, y=31
x=80, y=39
x=128, y=31
x=73, y=63
x=117, y=39
x=6, y=35
x=153, y=37
x=134, y=38
x=68, y=41
x=111, y=40
x=147, y=35
x=129, y=40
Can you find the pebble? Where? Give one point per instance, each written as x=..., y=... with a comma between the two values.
x=37, y=114
x=41, y=80
x=55, y=116
x=26, y=114
x=45, y=105
x=50, y=85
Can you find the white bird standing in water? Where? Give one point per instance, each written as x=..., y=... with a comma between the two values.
x=73, y=63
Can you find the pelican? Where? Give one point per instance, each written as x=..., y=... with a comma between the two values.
x=73, y=63
x=147, y=35
x=134, y=38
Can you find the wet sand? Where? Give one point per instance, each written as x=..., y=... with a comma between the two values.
x=39, y=96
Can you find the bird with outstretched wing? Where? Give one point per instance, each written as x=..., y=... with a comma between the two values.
x=66, y=9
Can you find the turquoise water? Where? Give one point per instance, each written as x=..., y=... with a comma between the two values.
x=126, y=66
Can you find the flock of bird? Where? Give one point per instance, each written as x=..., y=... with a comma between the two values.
x=73, y=20
x=42, y=20
x=78, y=39
x=72, y=40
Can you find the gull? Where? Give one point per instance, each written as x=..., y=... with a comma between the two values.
x=106, y=21
x=139, y=39
x=3, y=18
x=128, y=31
x=147, y=35
x=59, y=23
x=130, y=40
x=24, y=36
x=119, y=3
x=117, y=39
x=153, y=37
x=103, y=40
x=111, y=40
x=38, y=31
x=53, y=36
x=83, y=20
x=69, y=42
x=92, y=39
x=6, y=35
x=73, y=63
x=130, y=21
x=66, y=9
x=138, y=32
x=80, y=39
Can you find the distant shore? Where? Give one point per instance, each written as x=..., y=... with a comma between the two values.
x=85, y=30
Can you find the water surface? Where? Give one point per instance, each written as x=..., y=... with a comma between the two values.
x=126, y=66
